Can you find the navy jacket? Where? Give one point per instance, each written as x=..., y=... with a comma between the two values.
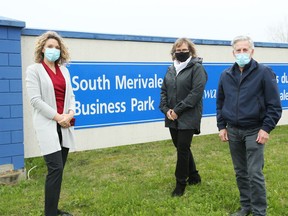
x=250, y=99
x=183, y=93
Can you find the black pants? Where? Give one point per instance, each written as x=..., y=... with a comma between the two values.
x=185, y=166
x=55, y=163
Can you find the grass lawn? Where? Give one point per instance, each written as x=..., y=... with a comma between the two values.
x=138, y=180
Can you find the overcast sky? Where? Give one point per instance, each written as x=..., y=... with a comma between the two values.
x=197, y=19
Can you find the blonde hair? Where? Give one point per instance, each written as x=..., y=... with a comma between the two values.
x=179, y=42
x=40, y=43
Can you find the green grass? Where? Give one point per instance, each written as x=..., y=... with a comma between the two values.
x=138, y=180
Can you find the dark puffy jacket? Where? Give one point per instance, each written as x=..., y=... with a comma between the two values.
x=249, y=101
x=183, y=93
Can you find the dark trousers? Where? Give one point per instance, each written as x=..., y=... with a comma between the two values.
x=248, y=161
x=185, y=166
x=55, y=163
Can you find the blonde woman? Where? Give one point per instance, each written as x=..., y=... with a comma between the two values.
x=50, y=92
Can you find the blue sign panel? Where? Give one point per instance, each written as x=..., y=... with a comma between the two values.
x=126, y=93
x=281, y=71
x=209, y=97
x=116, y=93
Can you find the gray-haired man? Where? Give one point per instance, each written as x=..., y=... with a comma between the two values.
x=248, y=109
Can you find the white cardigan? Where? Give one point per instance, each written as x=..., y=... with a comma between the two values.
x=42, y=97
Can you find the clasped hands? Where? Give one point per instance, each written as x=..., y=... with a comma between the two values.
x=171, y=115
x=65, y=121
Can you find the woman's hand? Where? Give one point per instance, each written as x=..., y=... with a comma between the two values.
x=171, y=115
x=65, y=121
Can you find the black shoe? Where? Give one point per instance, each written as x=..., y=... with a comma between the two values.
x=179, y=190
x=194, y=179
x=242, y=212
x=63, y=213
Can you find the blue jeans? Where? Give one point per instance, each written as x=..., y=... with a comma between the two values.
x=248, y=161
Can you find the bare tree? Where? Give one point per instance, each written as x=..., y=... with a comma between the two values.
x=279, y=33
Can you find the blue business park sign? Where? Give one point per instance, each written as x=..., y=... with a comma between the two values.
x=113, y=93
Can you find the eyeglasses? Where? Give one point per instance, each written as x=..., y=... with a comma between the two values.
x=181, y=50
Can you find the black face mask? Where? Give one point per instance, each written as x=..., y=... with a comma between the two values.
x=182, y=56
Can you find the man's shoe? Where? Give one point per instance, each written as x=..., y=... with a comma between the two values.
x=194, y=179
x=242, y=212
x=179, y=190
x=63, y=213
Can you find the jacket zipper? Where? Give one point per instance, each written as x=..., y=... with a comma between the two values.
x=238, y=93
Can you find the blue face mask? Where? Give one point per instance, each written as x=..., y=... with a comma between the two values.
x=52, y=54
x=242, y=59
